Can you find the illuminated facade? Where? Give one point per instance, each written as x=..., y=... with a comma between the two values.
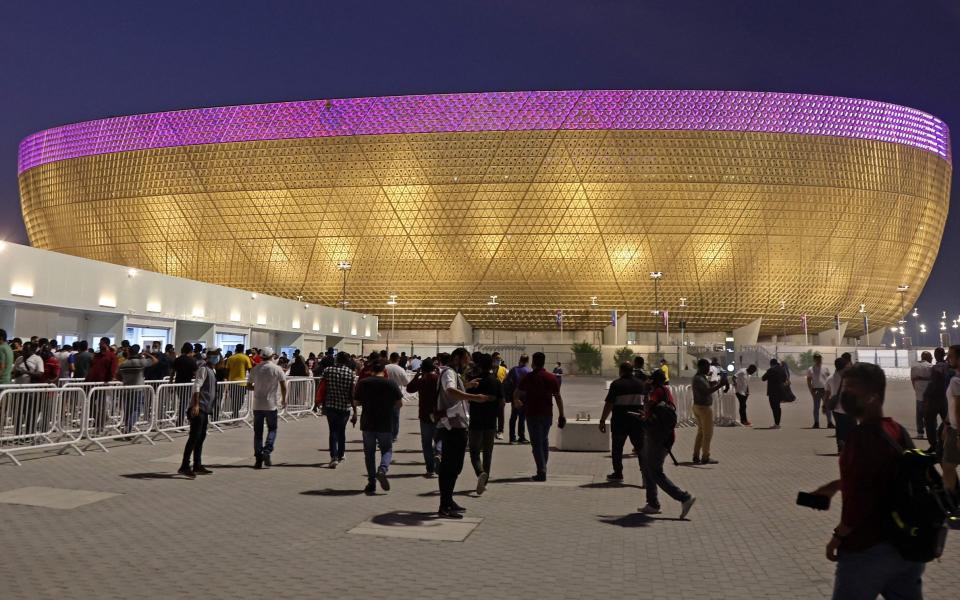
x=752, y=205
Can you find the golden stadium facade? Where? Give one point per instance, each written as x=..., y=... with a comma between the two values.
x=752, y=205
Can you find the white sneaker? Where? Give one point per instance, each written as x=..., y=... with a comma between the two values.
x=650, y=510
x=334, y=463
x=499, y=436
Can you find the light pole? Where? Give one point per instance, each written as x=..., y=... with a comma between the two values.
x=923, y=330
x=392, y=303
x=916, y=325
x=683, y=344
x=493, y=306
x=344, y=266
x=656, y=276
x=866, y=325
x=783, y=326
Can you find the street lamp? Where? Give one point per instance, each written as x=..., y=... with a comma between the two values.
x=492, y=303
x=392, y=303
x=866, y=325
x=344, y=266
x=656, y=276
x=923, y=330
x=902, y=290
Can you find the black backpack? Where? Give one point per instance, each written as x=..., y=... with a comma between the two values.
x=662, y=421
x=921, y=506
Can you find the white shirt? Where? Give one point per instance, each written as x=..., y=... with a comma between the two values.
x=741, y=383
x=415, y=364
x=818, y=377
x=714, y=374
x=396, y=374
x=26, y=368
x=833, y=388
x=457, y=414
x=953, y=391
x=266, y=378
x=920, y=375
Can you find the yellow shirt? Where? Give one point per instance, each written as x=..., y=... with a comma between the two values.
x=666, y=371
x=501, y=373
x=237, y=366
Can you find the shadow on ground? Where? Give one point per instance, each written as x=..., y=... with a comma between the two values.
x=332, y=493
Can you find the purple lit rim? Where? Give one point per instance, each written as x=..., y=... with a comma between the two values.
x=496, y=111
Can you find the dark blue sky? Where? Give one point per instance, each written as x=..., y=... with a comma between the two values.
x=72, y=61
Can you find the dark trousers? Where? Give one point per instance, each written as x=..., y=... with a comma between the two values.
x=618, y=437
x=337, y=423
x=921, y=412
x=539, y=429
x=259, y=417
x=198, y=433
x=501, y=417
x=654, y=453
x=844, y=425
x=742, y=400
x=481, y=445
x=451, y=462
x=517, y=424
x=932, y=411
x=775, y=407
x=819, y=396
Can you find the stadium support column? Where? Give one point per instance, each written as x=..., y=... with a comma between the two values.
x=616, y=335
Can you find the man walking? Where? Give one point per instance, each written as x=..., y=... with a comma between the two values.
x=517, y=416
x=501, y=373
x=424, y=385
x=817, y=376
x=868, y=564
x=397, y=374
x=951, y=430
x=920, y=378
x=483, y=420
x=842, y=420
x=741, y=387
x=935, y=399
x=269, y=392
x=625, y=396
x=660, y=420
x=201, y=406
x=776, y=378
x=452, y=424
x=336, y=407
x=536, y=394
x=703, y=391
x=379, y=397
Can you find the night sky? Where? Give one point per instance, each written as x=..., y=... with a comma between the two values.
x=64, y=61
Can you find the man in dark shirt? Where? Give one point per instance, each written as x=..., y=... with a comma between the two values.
x=483, y=420
x=184, y=366
x=935, y=399
x=103, y=367
x=82, y=360
x=379, y=397
x=625, y=396
x=517, y=416
x=535, y=395
x=424, y=385
x=868, y=564
x=703, y=391
x=776, y=378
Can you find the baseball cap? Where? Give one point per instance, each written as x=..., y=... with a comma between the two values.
x=266, y=352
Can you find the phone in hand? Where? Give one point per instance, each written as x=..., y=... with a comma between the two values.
x=814, y=501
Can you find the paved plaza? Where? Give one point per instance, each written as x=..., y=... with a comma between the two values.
x=123, y=525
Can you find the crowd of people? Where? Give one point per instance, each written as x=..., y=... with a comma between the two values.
x=461, y=410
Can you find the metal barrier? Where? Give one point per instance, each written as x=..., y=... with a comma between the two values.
x=117, y=412
x=65, y=380
x=170, y=406
x=232, y=405
x=684, y=399
x=155, y=383
x=726, y=410
x=37, y=417
x=86, y=386
x=301, y=392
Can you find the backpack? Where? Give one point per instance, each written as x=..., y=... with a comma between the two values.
x=662, y=421
x=920, y=506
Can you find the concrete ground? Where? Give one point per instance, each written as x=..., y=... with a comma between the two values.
x=302, y=530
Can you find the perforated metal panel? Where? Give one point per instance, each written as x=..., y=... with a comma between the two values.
x=545, y=203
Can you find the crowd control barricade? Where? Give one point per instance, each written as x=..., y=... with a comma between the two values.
x=172, y=400
x=684, y=399
x=155, y=383
x=117, y=412
x=300, y=398
x=86, y=386
x=232, y=405
x=65, y=380
x=39, y=417
x=725, y=414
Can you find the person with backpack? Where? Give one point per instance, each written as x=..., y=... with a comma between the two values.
x=869, y=561
x=659, y=422
x=935, y=400
x=777, y=388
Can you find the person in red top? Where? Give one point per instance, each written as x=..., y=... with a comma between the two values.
x=867, y=562
x=424, y=385
x=659, y=435
x=51, y=367
x=535, y=395
x=103, y=366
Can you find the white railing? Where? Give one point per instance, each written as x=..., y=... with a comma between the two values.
x=300, y=398
x=232, y=405
x=40, y=417
x=65, y=380
x=682, y=396
x=170, y=406
x=119, y=413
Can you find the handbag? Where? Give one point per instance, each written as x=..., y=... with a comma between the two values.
x=321, y=396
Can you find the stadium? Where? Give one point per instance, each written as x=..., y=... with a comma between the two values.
x=751, y=205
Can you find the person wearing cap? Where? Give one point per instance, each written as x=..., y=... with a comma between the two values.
x=269, y=392
x=817, y=377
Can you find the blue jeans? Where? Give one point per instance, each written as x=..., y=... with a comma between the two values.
x=337, y=423
x=877, y=570
x=259, y=416
x=396, y=423
x=539, y=430
x=372, y=439
x=431, y=446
